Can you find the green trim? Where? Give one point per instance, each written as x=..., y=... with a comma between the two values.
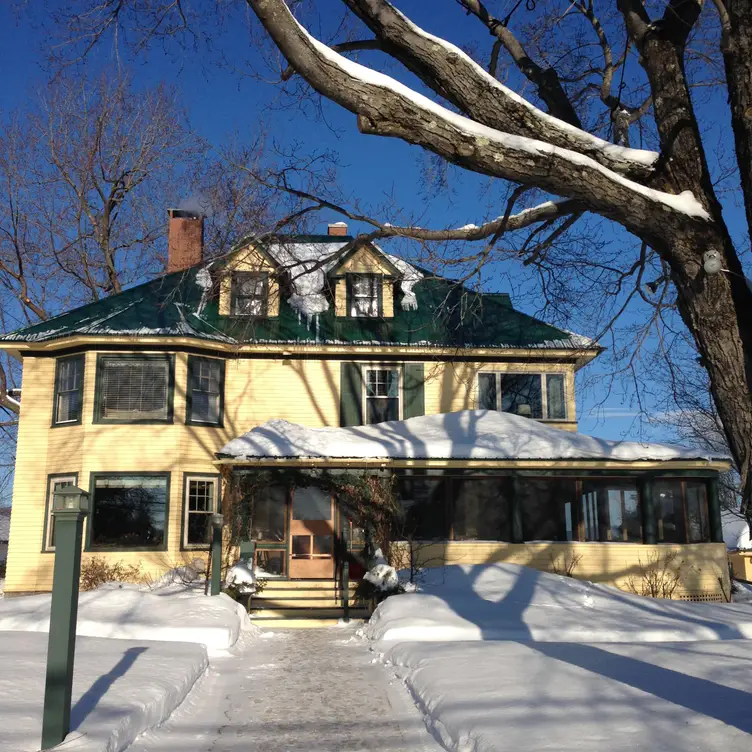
x=351, y=395
x=183, y=503
x=127, y=474
x=55, y=424
x=647, y=510
x=101, y=360
x=714, y=511
x=48, y=501
x=192, y=359
x=413, y=391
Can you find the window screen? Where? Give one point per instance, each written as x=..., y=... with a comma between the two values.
x=555, y=402
x=487, y=391
x=69, y=381
x=521, y=394
x=365, y=291
x=249, y=293
x=134, y=389
x=206, y=386
x=480, y=509
x=129, y=511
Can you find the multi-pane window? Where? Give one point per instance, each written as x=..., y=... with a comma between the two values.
x=382, y=394
x=205, y=390
x=200, y=504
x=55, y=484
x=365, y=291
x=532, y=395
x=610, y=511
x=129, y=511
x=249, y=293
x=69, y=382
x=134, y=389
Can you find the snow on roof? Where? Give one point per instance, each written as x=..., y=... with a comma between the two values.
x=469, y=434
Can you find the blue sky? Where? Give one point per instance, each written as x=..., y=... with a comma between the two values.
x=220, y=103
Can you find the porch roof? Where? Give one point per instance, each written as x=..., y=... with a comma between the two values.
x=469, y=436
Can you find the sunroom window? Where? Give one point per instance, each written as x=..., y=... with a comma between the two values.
x=365, y=293
x=532, y=395
x=129, y=511
x=249, y=293
x=382, y=394
x=134, y=389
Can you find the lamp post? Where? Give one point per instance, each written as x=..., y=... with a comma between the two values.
x=217, y=520
x=70, y=505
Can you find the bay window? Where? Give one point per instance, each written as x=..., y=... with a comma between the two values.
x=134, y=389
x=129, y=511
x=69, y=387
x=201, y=501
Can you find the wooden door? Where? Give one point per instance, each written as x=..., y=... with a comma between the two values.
x=311, y=534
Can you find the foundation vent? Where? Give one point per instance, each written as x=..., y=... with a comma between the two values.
x=712, y=596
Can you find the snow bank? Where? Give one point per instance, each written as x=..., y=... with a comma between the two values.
x=174, y=613
x=469, y=434
x=120, y=689
x=511, y=602
x=500, y=696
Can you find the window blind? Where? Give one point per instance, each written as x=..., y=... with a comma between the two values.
x=134, y=389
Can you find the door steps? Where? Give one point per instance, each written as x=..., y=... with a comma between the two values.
x=290, y=604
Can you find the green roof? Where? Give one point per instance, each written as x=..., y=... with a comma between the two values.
x=177, y=305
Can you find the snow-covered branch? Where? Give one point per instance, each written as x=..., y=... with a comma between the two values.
x=389, y=108
x=456, y=76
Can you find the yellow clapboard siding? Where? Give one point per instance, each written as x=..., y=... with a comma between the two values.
x=702, y=566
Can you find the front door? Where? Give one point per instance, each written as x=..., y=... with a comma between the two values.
x=311, y=534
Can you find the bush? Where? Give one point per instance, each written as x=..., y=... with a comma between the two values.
x=96, y=571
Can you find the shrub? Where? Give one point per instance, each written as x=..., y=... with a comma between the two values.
x=659, y=577
x=96, y=571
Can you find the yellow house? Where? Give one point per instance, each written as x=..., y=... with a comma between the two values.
x=139, y=397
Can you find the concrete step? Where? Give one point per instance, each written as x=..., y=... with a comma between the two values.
x=275, y=584
x=304, y=623
x=286, y=601
x=268, y=614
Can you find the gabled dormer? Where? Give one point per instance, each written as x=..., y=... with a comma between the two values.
x=363, y=282
x=249, y=285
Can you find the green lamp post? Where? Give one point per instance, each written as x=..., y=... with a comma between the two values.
x=70, y=505
x=217, y=520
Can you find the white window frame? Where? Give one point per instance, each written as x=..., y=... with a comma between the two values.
x=366, y=367
x=186, y=506
x=71, y=479
x=544, y=390
x=375, y=298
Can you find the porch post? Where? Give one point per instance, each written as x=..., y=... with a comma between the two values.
x=714, y=511
x=518, y=535
x=216, y=554
x=647, y=510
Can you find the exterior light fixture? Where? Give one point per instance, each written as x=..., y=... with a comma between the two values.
x=70, y=499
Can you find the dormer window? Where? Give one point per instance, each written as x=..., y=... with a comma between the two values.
x=250, y=293
x=365, y=295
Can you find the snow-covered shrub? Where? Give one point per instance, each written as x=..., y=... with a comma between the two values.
x=97, y=571
x=380, y=581
x=241, y=578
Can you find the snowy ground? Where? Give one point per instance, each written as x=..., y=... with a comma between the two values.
x=295, y=691
x=120, y=688
x=502, y=657
x=174, y=613
x=508, y=601
x=160, y=643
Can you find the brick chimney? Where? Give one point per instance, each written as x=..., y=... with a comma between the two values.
x=185, y=239
x=338, y=228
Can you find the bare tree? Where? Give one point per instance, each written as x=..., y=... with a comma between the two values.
x=595, y=80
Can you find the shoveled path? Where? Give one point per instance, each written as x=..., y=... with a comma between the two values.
x=295, y=691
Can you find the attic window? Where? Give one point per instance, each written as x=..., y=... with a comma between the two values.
x=365, y=295
x=249, y=293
